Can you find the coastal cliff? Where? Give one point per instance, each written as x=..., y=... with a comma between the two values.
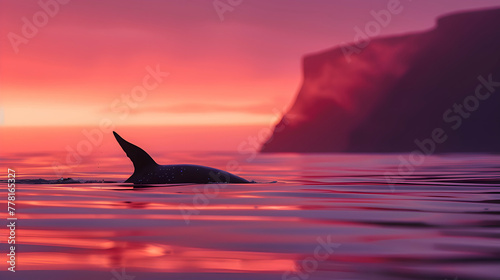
x=400, y=92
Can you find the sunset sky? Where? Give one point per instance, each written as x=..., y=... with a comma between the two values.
x=239, y=70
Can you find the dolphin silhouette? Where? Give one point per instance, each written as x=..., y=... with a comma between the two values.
x=147, y=171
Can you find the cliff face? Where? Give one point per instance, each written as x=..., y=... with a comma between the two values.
x=399, y=90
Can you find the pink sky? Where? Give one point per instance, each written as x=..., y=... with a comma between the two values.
x=237, y=72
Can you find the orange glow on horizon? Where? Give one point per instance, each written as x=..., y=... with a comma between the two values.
x=168, y=64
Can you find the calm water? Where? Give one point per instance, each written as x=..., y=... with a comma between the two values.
x=326, y=217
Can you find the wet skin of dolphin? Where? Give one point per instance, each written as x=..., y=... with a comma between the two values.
x=147, y=171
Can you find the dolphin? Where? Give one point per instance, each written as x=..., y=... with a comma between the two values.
x=147, y=171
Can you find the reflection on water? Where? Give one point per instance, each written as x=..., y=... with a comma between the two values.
x=326, y=217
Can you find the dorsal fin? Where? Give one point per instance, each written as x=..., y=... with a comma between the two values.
x=138, y=156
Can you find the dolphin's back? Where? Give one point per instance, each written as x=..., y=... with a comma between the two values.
x=184, y=173
x=147, y=171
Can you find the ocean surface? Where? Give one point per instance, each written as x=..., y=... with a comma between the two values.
x=319, y=216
